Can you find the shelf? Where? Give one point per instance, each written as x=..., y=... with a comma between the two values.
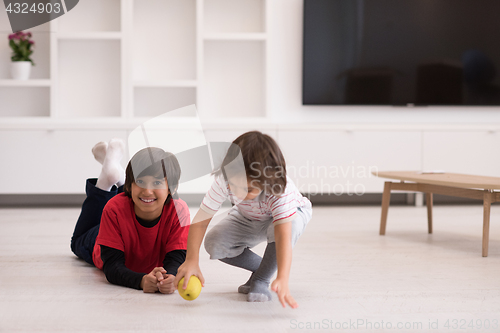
x=164, y=40
x=24, y=101
x=89, y=35
x=135, y=59
x=109, y=66
x=166, y=83
x=234, y=79
x=92, y=15
x=89, y=77
x=152, y=102
x=236, y=36
x=242, y=16
x=25, y=83
x=40, y=56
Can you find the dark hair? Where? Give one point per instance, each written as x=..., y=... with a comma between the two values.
x=154, y=162
x=264, y=162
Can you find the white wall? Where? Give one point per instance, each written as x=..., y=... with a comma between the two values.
x=285, y=75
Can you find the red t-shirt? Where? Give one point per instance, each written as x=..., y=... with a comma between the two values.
x=144, y=248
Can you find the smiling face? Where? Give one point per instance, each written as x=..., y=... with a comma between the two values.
x=149, y=194
x=243, y=189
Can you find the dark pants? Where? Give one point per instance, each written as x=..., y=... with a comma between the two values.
x=87, y=226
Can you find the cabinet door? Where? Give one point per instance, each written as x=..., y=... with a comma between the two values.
x=469, y=152
x=231, y=135
x=49, y=162
x=341, y=162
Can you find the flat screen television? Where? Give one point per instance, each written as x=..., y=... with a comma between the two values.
x=401, y=52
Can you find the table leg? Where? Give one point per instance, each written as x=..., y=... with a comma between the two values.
x=486, y=220
x=429, y=199
x=386, y=199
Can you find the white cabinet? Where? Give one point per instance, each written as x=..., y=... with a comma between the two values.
x=229, y=135
x=39, y=161
x=341, y=162
x=43, y=162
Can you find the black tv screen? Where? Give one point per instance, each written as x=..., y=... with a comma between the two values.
x=401, y=52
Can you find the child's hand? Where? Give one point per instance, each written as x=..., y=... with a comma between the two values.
x=281, y=288
x=185, y=271
x=149, y=281
x=165, y=283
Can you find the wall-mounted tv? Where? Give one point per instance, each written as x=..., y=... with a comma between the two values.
x=401, y=52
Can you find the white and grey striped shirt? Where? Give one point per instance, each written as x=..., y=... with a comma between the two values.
x=281, y=209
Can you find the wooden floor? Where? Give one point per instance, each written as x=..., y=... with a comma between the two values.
x=344, y=275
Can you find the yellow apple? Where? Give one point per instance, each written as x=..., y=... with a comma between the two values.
x=193, y=288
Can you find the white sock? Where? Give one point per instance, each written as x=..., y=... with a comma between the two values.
x=112, y=171
x=99, y=151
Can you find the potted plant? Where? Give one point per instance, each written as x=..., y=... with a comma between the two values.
x=21, y=45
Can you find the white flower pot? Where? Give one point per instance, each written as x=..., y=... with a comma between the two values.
x=20, y=70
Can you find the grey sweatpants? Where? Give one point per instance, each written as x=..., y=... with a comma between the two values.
x=235, y=232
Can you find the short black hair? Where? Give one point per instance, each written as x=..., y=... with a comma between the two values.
x=156, y=162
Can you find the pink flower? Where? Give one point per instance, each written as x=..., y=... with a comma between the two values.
x=21, y=46
x=20, y=36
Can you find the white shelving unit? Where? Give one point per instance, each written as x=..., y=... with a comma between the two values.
x=107, y=66
x=135, y=59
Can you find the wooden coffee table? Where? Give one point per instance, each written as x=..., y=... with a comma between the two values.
x=453, y=184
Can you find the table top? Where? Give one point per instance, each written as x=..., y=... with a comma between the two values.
x=444, y=179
